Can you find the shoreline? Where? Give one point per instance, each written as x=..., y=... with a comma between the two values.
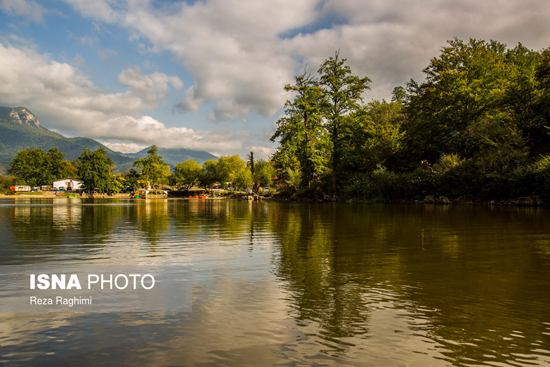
x=531, y=201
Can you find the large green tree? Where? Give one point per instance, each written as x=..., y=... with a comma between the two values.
x=343, y=91
x=244, y=180
x=470, y=86
x=95, y=169
x=36, y=167
x=375, y=137
x=152, y=168
x=228, y=168
x=263, y=174
x=210, y=173
x=187, y=174
x=300, y=130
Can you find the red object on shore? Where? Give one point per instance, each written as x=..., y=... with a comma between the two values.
x=12, y=188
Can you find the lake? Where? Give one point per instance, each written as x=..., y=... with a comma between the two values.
x=292, y=283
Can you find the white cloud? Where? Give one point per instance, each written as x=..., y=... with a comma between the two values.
x=99, y=9
x=25, y=8
x=241, y=53
x=152, y=88
x=231, y=48
x=59, y=94
x=147, y=130
x=262, y=152
x=234, y=51
x=105, y=54
x=124, y=147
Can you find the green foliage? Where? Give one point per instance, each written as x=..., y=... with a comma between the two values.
x=263, y=174
x=380, y=185
x=542, y=165
x=300, y=131
x=152, y=168
x=186, y=174
x=501, y=148
x=400, y=95
x=95, y=169
x=210, y=174
x=447, y=163
x=293, y=179
x=244, y=180
x=541, y=177
x=375, y=137
x=343, y=92
x=131, y=178
x=228, y=169
x=36, y=167
x=5, y=183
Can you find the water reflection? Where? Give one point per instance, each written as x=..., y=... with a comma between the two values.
x=468, y=281
x=283, y=283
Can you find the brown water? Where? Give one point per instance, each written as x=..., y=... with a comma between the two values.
x=293, y=284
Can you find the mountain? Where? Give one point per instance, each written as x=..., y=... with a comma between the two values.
x=20, y=129
x=174, y=156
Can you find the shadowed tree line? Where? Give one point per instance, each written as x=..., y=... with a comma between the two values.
x=478, y=125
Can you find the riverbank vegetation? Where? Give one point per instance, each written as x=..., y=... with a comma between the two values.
x=477, y=126
x=96, y=170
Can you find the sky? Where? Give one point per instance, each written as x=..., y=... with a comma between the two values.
x=210, y=75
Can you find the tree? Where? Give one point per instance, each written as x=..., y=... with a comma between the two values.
x=301, y=128
x=293, y=179
x=263, y=174
x=56, y=166
x=37, y=167
x=376, y=137
x=187, y=174
x=210, y=173
x=5, y=183
x=464, y=84
x=244, y=180
x=94, y=168
x=399, y=94
x=542, y=85
x=152, y=168
x=478, y=101
x=131, y=177
x=228, y=168
x=343, y=91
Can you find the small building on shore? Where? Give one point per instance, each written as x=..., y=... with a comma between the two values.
x=20, y=188
x=68, y=182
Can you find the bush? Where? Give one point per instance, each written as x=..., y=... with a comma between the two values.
x=447, y=162
x=541, y=177
x=5, y=183
x=380, y=185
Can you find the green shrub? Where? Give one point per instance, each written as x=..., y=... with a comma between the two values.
x=5, y=183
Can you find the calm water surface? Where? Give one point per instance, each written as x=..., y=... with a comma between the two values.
x=293, y=284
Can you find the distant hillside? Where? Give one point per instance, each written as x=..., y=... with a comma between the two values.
x=174, y=156
x=20, y=129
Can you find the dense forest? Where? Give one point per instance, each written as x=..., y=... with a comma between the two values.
x=477, y=127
